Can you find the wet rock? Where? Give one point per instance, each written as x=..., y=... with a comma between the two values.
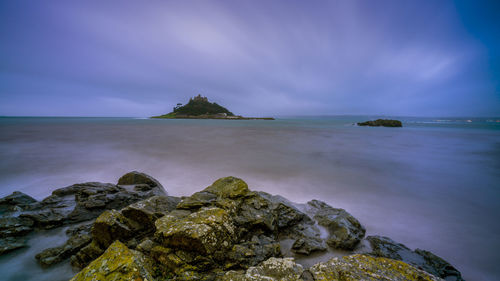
x=86, y=255
x=197, y=200
x=345, y=231
x=427, y=261
x=382, y=122
x=51, y=256
x=15, y=202
x=138, y=178
x=9, y=244
x=15, y=226
x=253, y=252
x=110, y=226
x=117, y=263
x=364, y=267
x=207, y=231
x=143, y=214
x=306, y=245
x=228, y=187
x=271, y=269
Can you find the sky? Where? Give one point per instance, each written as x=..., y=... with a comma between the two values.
x=256, y=57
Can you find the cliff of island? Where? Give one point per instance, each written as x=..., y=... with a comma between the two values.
x=134, y=230
x=200, y=108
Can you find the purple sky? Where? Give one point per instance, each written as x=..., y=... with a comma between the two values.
x=140, y=58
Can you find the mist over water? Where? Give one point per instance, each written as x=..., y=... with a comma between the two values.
x=433, y=184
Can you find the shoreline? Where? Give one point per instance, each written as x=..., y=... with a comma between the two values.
x=226, y=226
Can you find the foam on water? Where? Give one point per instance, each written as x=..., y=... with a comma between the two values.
x=428, y=185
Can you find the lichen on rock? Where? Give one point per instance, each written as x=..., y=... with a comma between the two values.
x=364, y=267
x=118, y=263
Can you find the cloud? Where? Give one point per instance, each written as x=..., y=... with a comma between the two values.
x=255, y=57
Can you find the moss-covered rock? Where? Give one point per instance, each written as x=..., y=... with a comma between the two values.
x=364, y=267
x=273, y=269
x=386, y=247
x=207, y=231
x=228, y=187
x=110, y=226
x=118, y=263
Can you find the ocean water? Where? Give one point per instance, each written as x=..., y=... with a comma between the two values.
x=433, y=184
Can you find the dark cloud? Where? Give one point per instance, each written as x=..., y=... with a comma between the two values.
x=121, y=58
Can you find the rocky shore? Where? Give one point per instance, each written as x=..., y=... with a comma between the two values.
x=133, y=230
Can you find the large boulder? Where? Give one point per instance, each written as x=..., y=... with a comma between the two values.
x=345, y=231
x=207, y=231
x=427, y=261
x=118, y=263
x=228, y=187
x=273, y=269
x=138, y=178
x=364, y=267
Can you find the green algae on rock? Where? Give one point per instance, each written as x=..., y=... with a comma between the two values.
x=118, y=263
x=364, y=267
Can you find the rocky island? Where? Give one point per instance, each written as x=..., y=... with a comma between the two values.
x=133, y=230
x=200, y=108
x=382, y=122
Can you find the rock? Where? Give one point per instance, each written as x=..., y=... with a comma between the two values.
x=15, y=226
x=143, y=214
x=197, y=200
x=86, y=201
x=15, y=202
x=273, y=269
x=9, y=244
x=345, y=231
x=364, y=267
x=118, y=263
x=253, y=252
x=207, y=231
x=110, y=226
x=137, y=178
x=86, y=255
x=388, y=248
x=382, y=122
x=228, y=187
x=306, y=245
x=51, y=256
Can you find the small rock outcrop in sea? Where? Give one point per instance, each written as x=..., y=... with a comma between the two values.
x=223, y=232
x=382, y=122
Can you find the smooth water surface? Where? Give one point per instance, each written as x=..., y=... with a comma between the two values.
x=433, y=184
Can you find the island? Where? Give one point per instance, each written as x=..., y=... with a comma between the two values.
x=382, y=122
x=200, y=108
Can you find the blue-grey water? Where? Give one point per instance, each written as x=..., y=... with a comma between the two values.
x=433, y=184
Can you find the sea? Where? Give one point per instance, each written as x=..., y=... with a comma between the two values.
x=433, y=184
